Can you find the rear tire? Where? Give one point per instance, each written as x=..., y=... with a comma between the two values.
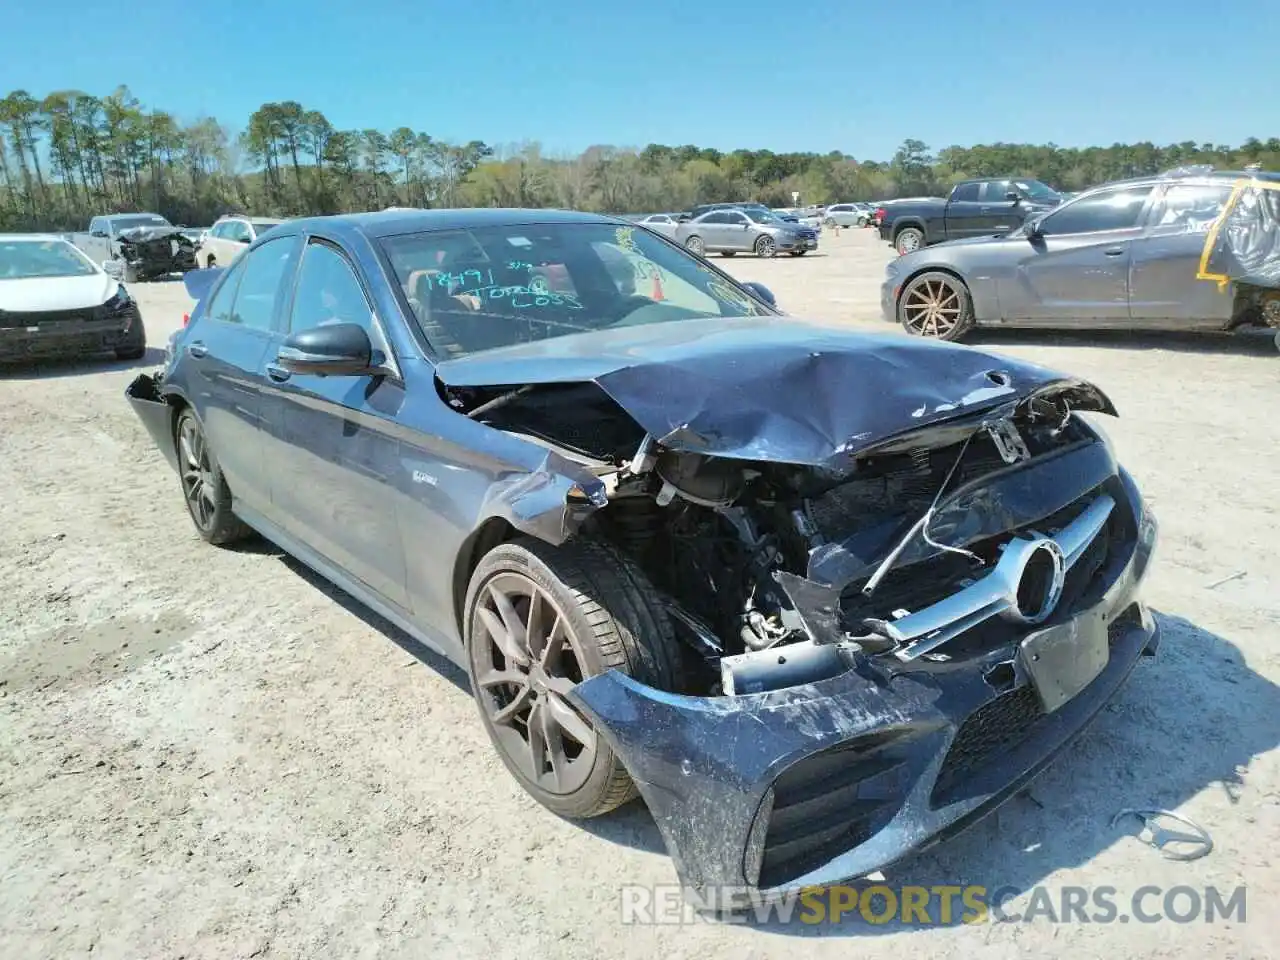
x=595, y=611
x=908, y=240
x=204, y=489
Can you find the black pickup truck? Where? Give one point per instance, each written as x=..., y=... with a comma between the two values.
x=975, y=208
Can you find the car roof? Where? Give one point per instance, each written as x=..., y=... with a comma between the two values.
x=32, y=237
x=390, y=223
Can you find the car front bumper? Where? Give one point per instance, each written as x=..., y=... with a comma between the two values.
x=770, y=793
x=46, y=337
x=889, y=299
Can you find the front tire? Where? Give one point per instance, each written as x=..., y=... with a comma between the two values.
x=766, y=247
x=694, y=246
x=936, y=305
x=204, y=489
x=798, y=253
x=539, y=620
x=728, y=253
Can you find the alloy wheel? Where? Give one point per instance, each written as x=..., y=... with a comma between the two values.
x=199, y=483
x=765, y=247
x=694, y=245
x=932, y=308
x=908, y=242
x=525, y=660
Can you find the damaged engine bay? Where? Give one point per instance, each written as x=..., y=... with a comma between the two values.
x=776, y=574
x=152, y=252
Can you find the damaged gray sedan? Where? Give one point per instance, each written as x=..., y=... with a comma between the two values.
x=821, y=598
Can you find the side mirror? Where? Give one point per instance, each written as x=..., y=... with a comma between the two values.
x=1032, y=230
x=1013, y=195
x=113, y=269
x=337, y=349
x=763, y=292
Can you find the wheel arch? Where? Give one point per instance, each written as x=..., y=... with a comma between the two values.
x=489, y=534
x=908, y=222
x=932, y=268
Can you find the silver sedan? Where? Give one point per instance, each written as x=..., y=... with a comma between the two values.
x=663, y=223
x=733, y=231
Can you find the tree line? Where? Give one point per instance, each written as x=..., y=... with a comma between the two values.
x=72, y=155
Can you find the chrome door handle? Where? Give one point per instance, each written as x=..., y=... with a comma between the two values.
x=1114, y=252
x=278, y=373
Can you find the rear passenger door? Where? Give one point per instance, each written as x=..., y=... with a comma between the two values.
x=1166, y=258
x=331, y=441
x=225, y=352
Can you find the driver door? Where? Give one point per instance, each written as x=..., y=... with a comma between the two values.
x=1076, y=266
x=738, y=234
x=331, y=441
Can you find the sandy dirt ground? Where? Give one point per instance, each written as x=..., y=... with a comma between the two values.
x=210, y=753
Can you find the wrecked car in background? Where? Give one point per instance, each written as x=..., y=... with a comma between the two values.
x=145, y=246
x=820, y=597
x=57, y=303
x=1191, y=249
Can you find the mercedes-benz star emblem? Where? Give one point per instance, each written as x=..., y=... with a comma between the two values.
x=1040, y=581
x=1172, y=844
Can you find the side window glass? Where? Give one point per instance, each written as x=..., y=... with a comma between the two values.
x=328, y=292
x=1192, y=207
x=966, y=193
x=224, y=297
x=715, y=218
x=240, y=231
x=261, y=281
x=1111, y=210
x=993, y=191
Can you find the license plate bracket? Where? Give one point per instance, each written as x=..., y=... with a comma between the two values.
x=1063, y=659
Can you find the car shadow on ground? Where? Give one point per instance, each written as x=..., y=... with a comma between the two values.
x=424, y=654
x=1146, y=750
x=1250, y=342
x=55, y=368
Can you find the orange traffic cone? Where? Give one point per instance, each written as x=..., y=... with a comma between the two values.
x=657, y=296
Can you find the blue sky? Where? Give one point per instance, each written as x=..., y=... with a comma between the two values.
x=848, y=75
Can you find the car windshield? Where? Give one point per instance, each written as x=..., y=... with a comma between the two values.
x=490, y=287
x=1036, y=190
x=27, y=259
x=262, y=226
x=763, y=216
x=149, y=220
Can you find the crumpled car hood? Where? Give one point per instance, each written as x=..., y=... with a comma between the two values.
x=772, y=388
x=144, y=234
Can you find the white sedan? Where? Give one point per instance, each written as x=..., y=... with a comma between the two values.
x=56, y=302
